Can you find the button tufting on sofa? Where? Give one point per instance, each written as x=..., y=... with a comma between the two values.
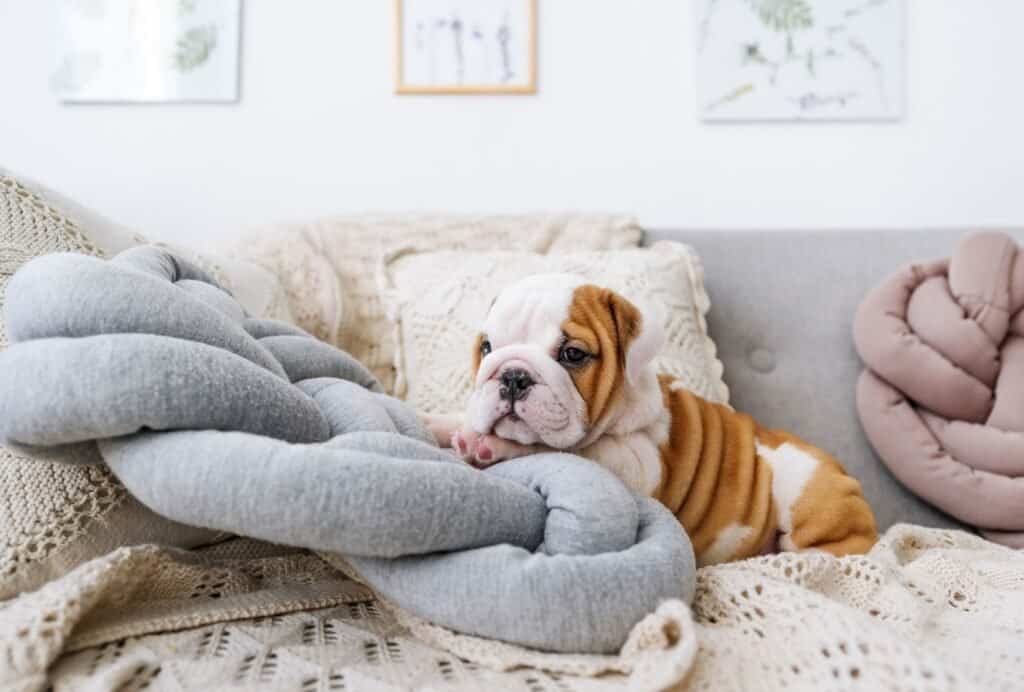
x=761, y=359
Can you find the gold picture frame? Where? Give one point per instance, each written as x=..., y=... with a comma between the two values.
x=528, y=85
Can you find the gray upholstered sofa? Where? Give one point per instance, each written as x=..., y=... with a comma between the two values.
x=782, y=314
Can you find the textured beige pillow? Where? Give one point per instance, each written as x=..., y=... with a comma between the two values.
x=56, y=516
x=439, y=299
x=328, y=267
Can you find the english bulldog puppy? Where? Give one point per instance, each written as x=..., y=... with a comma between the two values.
x=561, y=364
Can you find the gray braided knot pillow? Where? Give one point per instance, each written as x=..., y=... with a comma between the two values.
x=216, y=419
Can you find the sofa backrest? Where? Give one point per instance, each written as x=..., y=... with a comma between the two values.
x=782, y=306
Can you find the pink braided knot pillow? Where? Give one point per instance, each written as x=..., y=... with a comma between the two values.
x=942, y=396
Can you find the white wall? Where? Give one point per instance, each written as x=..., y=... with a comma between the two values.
x=613, y=127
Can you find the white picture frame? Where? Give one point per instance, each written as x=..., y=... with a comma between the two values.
x=148, y=51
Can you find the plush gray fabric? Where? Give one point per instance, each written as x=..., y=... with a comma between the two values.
x=596, y=516
x=303, y=358
x=76, y=295
x=560, y=592
x=219, y=420
x=389, y=497
x=782, y=306
x=118, y=384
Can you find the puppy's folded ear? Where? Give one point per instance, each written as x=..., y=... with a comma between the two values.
x=477, y=354
x=640, y=333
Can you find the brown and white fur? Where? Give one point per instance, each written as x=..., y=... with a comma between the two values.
x=565, y=365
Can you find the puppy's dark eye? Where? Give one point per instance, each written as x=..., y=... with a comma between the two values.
x=572, y=356
x=485, y=347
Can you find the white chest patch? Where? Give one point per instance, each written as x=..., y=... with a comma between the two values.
x=634, y=458
x=792, y=469
x=726, y=546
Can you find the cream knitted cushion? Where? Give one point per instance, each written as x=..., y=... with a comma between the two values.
x=55, y=516
x=327, y=267
x=438, y=301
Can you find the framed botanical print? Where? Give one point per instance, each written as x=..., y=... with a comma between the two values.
x=148, y=51
x=800, y=59
x=465, y=46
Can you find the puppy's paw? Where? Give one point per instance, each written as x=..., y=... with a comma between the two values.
x=483, y=450
x=473, y=448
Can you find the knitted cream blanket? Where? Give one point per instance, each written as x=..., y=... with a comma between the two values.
x=925, y=609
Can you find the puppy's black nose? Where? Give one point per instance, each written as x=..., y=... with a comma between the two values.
x=515, y=383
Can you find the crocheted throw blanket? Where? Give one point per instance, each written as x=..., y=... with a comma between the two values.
x=925, y=609
x=942, y=394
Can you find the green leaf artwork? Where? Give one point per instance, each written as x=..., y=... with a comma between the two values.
x=194, y=47
x=800, y=59
x=784, y=16
x=148, y=51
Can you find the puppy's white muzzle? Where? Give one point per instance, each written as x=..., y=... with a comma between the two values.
x=550, y=410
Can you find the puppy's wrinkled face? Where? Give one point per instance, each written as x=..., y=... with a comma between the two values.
x=553, y=358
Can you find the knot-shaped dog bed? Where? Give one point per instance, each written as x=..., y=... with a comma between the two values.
x=942, y=398
x=216, y=419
